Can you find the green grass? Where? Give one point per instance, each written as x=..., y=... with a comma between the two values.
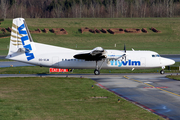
x=4, y=46
x=175, y=77
x=166, y=42
x=63, y=98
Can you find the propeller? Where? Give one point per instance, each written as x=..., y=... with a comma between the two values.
x=123, y=57
x=124, y=52
x=124, y=48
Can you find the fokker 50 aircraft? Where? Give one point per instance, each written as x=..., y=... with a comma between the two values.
x=22, y=48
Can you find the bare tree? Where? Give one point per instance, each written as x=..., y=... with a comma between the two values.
x=4, y=6
x=98, y=10
x=122, y=7
x=80, y=7
x=171, y=7
x=73, y=9
x=87, y=8
x=144, y=10
x=92, y=9
x=57, y=11
x=125, y=9
x=167, y=8
x=111, y=9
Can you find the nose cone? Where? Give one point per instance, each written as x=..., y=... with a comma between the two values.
x=166, y=61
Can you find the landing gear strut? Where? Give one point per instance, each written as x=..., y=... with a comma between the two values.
x=97, y=70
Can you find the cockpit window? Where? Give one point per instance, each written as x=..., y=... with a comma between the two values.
x=156, y=55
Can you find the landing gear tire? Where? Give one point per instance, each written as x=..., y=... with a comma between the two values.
x=162, y=72
x=96, y=72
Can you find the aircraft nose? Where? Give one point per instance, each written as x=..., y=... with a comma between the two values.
x=171, y=61
x=166, y=61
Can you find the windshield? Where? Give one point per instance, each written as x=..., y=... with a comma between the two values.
x=157, y=55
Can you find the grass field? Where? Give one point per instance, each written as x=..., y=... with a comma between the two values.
x=175, y=77
x=63, y=99
x=166, y=42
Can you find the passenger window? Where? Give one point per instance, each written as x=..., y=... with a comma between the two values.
x=153, y=55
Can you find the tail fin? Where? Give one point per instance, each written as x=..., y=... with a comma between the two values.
x=21, y=40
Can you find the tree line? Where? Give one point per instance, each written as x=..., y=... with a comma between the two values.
x=89, y=8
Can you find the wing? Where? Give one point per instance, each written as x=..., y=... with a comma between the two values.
x=96, y=54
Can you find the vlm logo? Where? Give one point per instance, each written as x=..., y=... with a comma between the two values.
x=27, y=47
x=125, y=63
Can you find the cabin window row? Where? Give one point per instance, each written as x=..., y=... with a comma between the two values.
x=72, y=60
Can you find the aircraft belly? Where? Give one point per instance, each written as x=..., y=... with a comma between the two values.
x=77, y=64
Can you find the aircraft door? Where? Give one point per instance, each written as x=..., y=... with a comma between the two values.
x=143, y=62
x=55, y=62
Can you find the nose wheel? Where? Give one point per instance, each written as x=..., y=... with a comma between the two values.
x=162, y=72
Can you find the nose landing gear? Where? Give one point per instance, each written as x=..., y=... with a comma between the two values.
x=162, y=71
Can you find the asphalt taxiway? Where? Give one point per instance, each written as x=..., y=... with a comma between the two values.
x=152, y=91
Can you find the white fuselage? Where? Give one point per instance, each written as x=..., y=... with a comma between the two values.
x=59, y=57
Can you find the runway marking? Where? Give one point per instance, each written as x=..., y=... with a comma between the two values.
x=126, y=77
x=153, y=86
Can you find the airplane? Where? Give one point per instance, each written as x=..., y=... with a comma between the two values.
x=24, y=49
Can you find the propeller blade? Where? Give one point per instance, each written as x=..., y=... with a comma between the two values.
x=124, y=48
x=125, y=51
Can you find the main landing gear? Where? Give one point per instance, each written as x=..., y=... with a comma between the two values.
x=97, y=70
